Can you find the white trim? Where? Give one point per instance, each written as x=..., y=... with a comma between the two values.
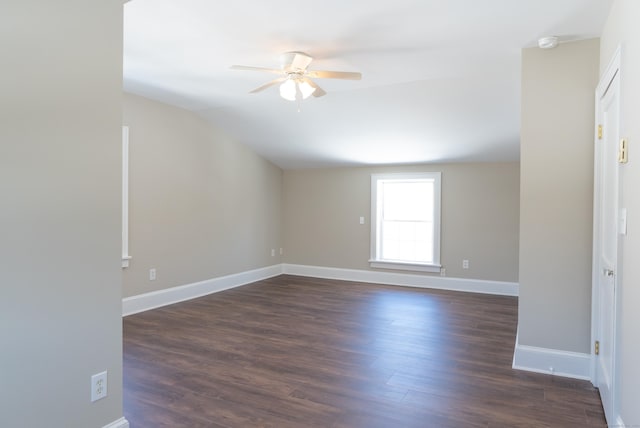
x=405, y=279
x=120, y=423
x=612, y=69
x=417, y=267
x=155, y=299
x=125, y=197
x=619, y=423
x=574, y=365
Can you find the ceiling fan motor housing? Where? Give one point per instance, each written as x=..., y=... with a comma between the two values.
x=294, y=61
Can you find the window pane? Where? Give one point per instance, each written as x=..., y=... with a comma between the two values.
x=407, y=241
x=408, y=200
x=424, y=248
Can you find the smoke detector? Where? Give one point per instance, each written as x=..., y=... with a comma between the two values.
x=548, y=42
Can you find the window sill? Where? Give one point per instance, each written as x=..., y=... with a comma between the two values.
x=418, y=267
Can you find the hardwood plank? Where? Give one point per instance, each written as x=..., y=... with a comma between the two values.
x=304, y=352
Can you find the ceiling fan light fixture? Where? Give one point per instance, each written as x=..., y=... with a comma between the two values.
x=306, y=89
x=290, y=87
x=288, y=90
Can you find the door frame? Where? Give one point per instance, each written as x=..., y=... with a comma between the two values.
x=613, y=69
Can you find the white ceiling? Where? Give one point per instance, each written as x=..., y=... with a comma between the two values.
x=441, y=78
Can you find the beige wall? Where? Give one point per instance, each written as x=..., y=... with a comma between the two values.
x=201, y=205
x=60, y=279
x=556, y=195
x=622, y=29
x=480, y=204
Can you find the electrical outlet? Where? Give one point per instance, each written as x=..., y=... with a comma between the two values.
x=443, y=272
x=152, y=274
x=281, y=251
x=98, y=386
x=273, y=252
x=465, y=264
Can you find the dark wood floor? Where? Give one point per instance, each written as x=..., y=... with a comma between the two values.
x=303, y=352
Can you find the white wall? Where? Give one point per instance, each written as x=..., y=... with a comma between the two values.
x=556, y=195
x=201, y=205
x=622, y=29
x=480, y=203
x=60, y=278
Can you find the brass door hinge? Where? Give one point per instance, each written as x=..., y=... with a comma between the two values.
x=623, y=152
x=599, y=132
x=597, y=348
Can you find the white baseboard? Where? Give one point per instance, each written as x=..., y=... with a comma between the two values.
x=405, y=279
x=574, y=365
x=155, y=299
x=619, y=423
x=120, y=423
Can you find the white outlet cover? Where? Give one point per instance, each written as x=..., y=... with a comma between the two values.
x=98, y=386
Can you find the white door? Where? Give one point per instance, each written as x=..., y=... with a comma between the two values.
x=606, y=230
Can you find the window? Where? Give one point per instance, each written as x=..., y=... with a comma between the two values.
x=405, y=221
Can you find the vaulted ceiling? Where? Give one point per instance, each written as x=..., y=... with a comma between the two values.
x=441, y=78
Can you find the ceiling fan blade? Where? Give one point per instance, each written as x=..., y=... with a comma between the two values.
x=318, y=90
x=249, y=68
x=349, y=75
x=300, y=61
x=268, y=85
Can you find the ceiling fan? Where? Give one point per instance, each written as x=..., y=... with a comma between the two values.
x=295, y=79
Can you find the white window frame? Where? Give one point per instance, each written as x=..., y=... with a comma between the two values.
x=375, y=261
